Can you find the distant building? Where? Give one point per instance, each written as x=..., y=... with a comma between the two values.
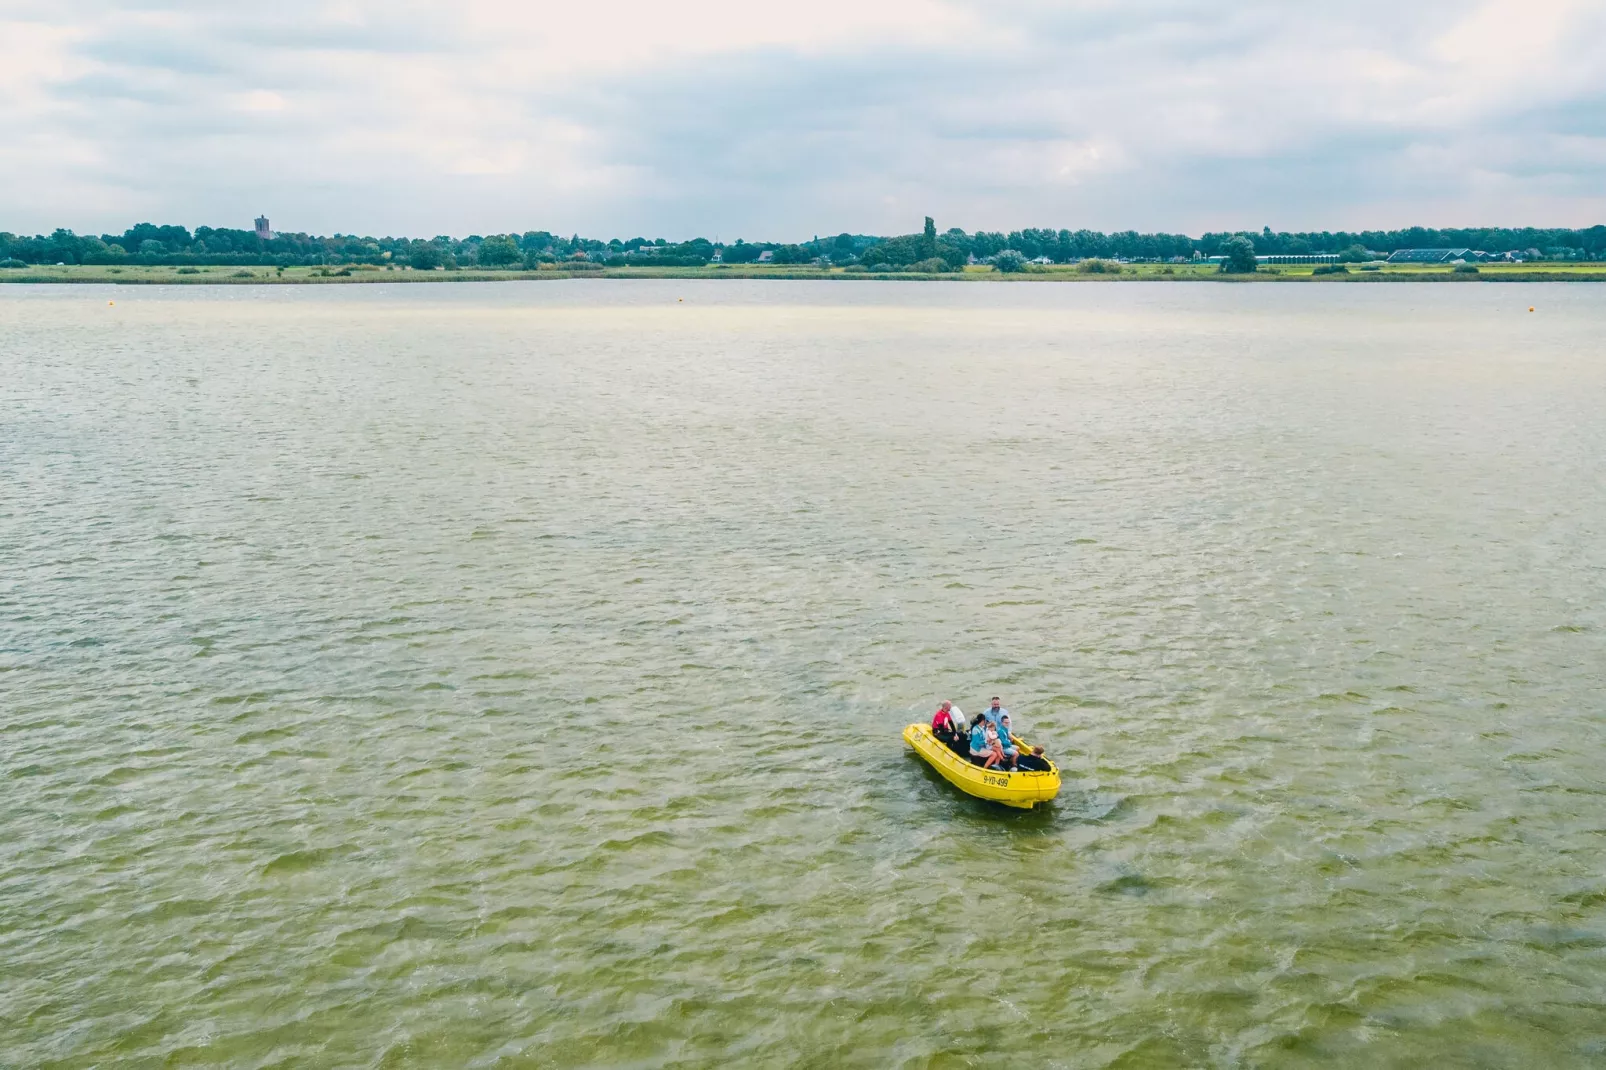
x=1426, y=256
x=767, y=256
x=263, y=230
x=1299, y=258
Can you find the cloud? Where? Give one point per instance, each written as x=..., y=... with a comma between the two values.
x=724, y=117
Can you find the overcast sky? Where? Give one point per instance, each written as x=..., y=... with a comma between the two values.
x=727, y=118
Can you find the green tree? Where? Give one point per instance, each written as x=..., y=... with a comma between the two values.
x=1009, y=261
x=1240, y=254
x=1355, y=254
x=425, y=256
x=898, y=251
x=912, y=248
x=499, y=250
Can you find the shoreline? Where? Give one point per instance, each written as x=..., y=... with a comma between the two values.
x=165, y=276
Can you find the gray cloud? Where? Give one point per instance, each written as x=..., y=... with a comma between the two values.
x=428, y=117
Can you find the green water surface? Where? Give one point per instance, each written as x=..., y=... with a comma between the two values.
x=511, y=675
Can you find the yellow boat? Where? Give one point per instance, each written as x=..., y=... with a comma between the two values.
x=1024, y=789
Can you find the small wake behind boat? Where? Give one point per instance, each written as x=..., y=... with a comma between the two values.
x=1022, y=789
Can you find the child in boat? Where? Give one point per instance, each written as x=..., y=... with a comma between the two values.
x=1033, y=761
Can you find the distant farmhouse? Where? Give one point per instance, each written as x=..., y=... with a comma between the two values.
x=1290, y=258
x=1435, y=256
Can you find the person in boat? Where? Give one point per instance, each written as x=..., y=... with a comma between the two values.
x=982, y=748
x=1018, y=756
x=1009, y=746
x=948, y=725
x=1032, y=761
x=995, y=744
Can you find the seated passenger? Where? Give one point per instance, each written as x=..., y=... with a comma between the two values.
x=994, y=746
x=942, y=722
x=1033, y=761
x=959, y=743
x=981, y=749
x=1008, y=744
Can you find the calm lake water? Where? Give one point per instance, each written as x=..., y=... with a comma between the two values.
x=511, y=675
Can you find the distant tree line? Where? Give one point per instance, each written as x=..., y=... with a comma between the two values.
x=929, y=250
x=955, y=246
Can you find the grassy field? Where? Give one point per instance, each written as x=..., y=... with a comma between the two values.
x=139, y=275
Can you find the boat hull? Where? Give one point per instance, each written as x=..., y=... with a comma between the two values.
x=1022, y=790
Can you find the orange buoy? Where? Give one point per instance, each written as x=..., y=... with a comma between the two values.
x=1530, y=308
